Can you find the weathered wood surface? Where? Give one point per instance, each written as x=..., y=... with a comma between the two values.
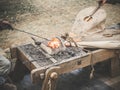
x=50, y=75
x=112, y=81
x=75, y=63
x=115, y=65
x=26, y=59
x=66, y=65
x=100, y=44
x=30, y=62
x=13, y=51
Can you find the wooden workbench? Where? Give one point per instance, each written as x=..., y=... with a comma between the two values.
x=41, y=68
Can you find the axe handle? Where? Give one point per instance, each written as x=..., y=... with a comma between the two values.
x=100, y=44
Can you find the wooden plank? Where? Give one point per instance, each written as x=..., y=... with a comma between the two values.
x=50, y=58
x=80, y=62
x=13, y=51
x=109, y=80
x=27, y=60
x=100, y=44
x=112, y=81
x=77, y=62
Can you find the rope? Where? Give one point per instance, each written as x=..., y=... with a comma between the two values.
x=92, y=66
x=49, y=85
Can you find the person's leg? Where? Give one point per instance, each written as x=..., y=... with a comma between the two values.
x=5, y=66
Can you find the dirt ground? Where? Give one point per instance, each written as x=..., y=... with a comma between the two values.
x=49, y=18
x=46, y=18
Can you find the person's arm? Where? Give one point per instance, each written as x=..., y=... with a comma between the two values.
x=102, y=1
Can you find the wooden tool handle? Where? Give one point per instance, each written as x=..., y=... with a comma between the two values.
x=100, y=44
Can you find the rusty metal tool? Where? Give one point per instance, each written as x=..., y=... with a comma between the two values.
x=69, y=39
x=4, y=24
x=88, y=18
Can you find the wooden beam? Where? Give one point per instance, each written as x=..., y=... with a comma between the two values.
x=112, y=81
x=77, y=62
x=26, y=59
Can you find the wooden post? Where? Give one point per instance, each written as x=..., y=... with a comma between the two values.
x=51, y=76
x=115, y=65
